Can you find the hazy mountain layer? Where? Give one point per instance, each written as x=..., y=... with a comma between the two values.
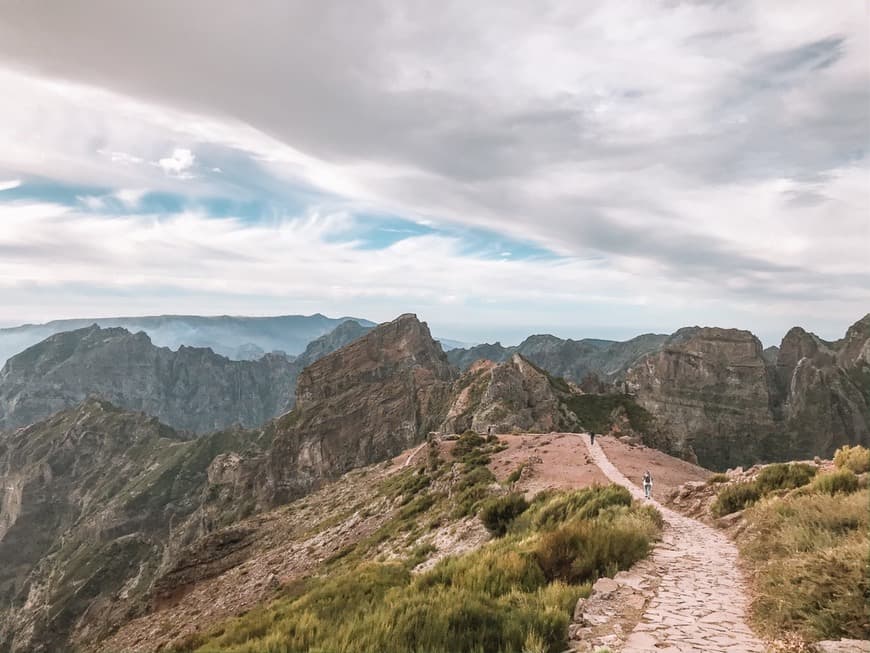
x=238, y=338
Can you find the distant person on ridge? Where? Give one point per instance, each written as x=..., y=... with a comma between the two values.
x=591, y=437
x=647, y=484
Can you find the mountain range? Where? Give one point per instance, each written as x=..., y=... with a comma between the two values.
x=107, y=516
x=236, y=337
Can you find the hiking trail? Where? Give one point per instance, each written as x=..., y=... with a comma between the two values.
x=700, y=604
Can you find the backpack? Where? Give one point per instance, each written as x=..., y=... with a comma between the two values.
x=647, y=478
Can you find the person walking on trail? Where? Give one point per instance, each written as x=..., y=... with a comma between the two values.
x=591, y=437
x=647, y=484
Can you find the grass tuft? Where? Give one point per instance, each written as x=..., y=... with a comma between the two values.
x=855, y=458
x=841, y=481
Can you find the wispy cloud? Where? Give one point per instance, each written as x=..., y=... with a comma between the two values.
x=9, y=184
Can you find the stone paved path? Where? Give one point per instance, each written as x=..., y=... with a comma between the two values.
x=700, y=604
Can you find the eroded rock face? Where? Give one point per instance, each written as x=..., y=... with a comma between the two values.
x=365, y=402
x=192, y=388
x=513, y=395
x=717, y=395
x=709, y=393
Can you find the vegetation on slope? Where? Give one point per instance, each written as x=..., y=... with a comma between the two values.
x=809, y=551
x=779, y=476
x=596, y=412
x=515, y=593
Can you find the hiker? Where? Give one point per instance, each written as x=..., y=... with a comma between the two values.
x=647, y=484
x=490, y=430
x=591, y=437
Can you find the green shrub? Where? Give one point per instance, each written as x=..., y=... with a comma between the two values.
x=840, y=481
x=498, y=513
x=586, y=550
x=718, y=478
x=475, y=476
x=471, y=489
x=515, y=475
x=855, y=458
x=595, y=412
x=735, y=497
x=784, y=476
x=581, y=504
x=467, y=443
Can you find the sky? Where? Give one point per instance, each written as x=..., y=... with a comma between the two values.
x=588, y=169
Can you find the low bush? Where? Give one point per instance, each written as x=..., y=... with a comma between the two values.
x=840, y=481
x=855, y=458
x=515, y=475
x=498, y=513
x=718, y=478
x=735, y=497
x=784, y=476
x=586, y=550
x=580, y=504
x=811, y=567
x=467, y=443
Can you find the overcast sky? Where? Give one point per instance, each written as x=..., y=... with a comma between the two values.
x=499, y=168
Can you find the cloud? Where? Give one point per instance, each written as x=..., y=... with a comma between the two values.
x=179, y=163
x=130, y=197
x=9, y=184
x=697, y=150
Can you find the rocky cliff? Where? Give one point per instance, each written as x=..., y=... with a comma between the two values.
x=375, y=397
x=717, y=395
x=570, y=359
x=514, y=395
x=191, y=388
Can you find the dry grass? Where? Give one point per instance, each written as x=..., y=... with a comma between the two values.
x=810, y=553
x=498, y=598
x=855, y=458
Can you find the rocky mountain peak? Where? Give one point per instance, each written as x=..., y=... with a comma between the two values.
x=855, y=347
x=371, y=399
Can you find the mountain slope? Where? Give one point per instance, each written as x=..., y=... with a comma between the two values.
x=104, y=513
x=90, y=498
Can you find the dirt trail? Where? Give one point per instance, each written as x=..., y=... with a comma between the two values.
x=700, y=604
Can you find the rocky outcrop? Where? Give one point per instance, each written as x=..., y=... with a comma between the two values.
x=571, y=359
x=374, y=398
x=193, y=389
x=709, y=393
x=716, y=395
x=515, y=395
